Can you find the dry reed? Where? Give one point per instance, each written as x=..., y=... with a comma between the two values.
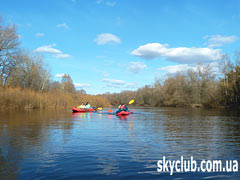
x=16, y=98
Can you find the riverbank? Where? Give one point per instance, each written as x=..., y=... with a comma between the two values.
x=17, y=98
x=193, y=106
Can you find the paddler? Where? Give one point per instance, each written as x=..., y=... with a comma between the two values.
x=82, y=106
x=120, y=108
x=87, y=106
x=124, y=107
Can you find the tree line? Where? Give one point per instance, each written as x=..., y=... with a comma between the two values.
x=207, y=85
x=24, y=69
x=24, y=73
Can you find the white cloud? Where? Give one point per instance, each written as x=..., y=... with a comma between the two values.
x=119, y=21
x=108, y=3
x=218, y=40
x=173, y=69
x=131, y=85
x=107, y=38
x=59, y=75
x=81, y=85
x=50, y=50
x=176, y=68
x=111, y=3
x=119, y=83
x=63, y=25
x=136, y=67
x=114, y=81
x=181, y=55
x=39, y=34
x=108, y=62
x=62, y=56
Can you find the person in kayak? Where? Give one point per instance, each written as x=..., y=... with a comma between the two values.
x=120, y=108
x=82, y=106
x=124, y=107
x=87, y=106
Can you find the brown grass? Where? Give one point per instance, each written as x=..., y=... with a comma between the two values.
x=16, y=98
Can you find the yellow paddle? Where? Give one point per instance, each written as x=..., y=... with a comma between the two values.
x=132, y=101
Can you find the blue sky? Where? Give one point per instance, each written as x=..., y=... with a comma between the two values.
x=115, y=45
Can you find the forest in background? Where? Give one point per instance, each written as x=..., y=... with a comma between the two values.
x=26, y=82
x=207, y=85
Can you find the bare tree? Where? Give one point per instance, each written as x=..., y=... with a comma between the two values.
x=8, y=51
x=30, y=73
x=67, y=84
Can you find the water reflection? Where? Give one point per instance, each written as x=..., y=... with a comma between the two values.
x=81, y=115
x=123, y=117
x=53, y=145
x=22, y=135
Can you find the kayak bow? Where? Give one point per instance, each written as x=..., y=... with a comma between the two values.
x=122, y=113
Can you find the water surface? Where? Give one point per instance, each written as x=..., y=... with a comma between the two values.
x=63, y=145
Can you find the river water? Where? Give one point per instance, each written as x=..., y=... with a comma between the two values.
x=63, y=145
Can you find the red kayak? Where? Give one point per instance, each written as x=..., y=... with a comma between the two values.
x=82, y=110
x=122, y=113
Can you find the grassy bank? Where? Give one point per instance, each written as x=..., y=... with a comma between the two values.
x=16, y=98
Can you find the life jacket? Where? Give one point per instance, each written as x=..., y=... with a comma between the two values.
x=88, y=106
x=82, y=106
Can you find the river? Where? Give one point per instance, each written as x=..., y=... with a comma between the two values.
x=63, y=145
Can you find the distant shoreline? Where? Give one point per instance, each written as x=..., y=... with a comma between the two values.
x=193, y=106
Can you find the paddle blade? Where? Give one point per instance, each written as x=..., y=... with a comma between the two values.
x=110, y=111
x=99, y=108
x=116, y=102
x=132, y=101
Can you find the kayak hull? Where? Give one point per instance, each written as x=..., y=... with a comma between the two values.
x=123, y=113
x=82, y=110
